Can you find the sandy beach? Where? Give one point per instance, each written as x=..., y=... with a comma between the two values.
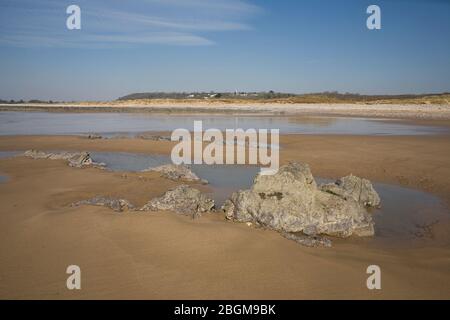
x=392, y=110
x=162, y=255
x=217, y=158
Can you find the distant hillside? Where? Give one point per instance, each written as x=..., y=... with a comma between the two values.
x=206, y=95
x=271, y=96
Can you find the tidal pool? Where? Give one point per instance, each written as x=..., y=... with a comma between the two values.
x=405, y=213
x=223, y=179
x=123, y=161
x=111, y=124
x=8, y=154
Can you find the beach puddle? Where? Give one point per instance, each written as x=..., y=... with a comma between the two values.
x=3, y=179
x=405, y=213
x=8, y=154
x=226, y=179
x=223, y=179
x=123, y=161
x=112, y=124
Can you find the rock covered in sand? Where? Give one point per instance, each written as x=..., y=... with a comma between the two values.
x=291, y=202
x=74, y=159
x=183, y=200
x=177, y=172
x=152, y=137
x=117, y=205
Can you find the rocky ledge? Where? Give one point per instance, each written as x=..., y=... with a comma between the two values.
x=183, y=200
x=117, y=205
x=74, y=159
x=177, y=172
x=291, y=202
x=152, y=137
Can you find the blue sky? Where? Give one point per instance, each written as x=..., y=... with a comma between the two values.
x=188, y=45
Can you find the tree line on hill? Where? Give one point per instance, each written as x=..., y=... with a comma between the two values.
x=327, y=95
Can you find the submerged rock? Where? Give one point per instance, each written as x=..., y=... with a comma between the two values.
x=117, y=205
x=74, y=159
x=291, y=202
x=183, y=200
x=177, y=172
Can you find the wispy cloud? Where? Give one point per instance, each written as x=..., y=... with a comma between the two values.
x=234, y=6
x=122, y=23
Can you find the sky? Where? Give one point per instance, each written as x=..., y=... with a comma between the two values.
x=297, y=46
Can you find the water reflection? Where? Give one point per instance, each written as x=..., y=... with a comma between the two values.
x=110, y=124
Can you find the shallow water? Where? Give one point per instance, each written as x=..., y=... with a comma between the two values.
x=405, y=213
x=123, y=161
x=129, y=124
x=223, y=179
x=8, y=154
x=3, y=178
x=226, y=179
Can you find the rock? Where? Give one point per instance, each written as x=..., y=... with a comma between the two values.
x=117, y=205
x=153, y=137
x=361, y=190
x=94, y=136
x=74, y=159
x=309, y=241
x=177, y=172
x=182, y=200
x=80, y=159
x=290, y=202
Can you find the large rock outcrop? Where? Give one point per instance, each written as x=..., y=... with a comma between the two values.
x=177, y=172
x=183, y=200
x=74, y=159
x=291, y=202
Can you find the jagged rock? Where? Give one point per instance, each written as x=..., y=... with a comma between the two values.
x=118, y=205
x=361, y=190
x=309, y=241
x=290, y=201
x=74, y=159
x=183, y=200
x=177, y=172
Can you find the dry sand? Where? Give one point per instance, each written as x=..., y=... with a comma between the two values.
x=162, y=255
x=401, y=111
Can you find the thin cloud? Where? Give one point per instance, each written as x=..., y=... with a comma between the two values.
x=158, y=22
x=105, y=24
x=231, y=6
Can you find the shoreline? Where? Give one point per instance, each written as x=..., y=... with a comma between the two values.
x=397, y=111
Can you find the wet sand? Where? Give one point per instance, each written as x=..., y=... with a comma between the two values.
x=421, y=162
x=162, y=255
